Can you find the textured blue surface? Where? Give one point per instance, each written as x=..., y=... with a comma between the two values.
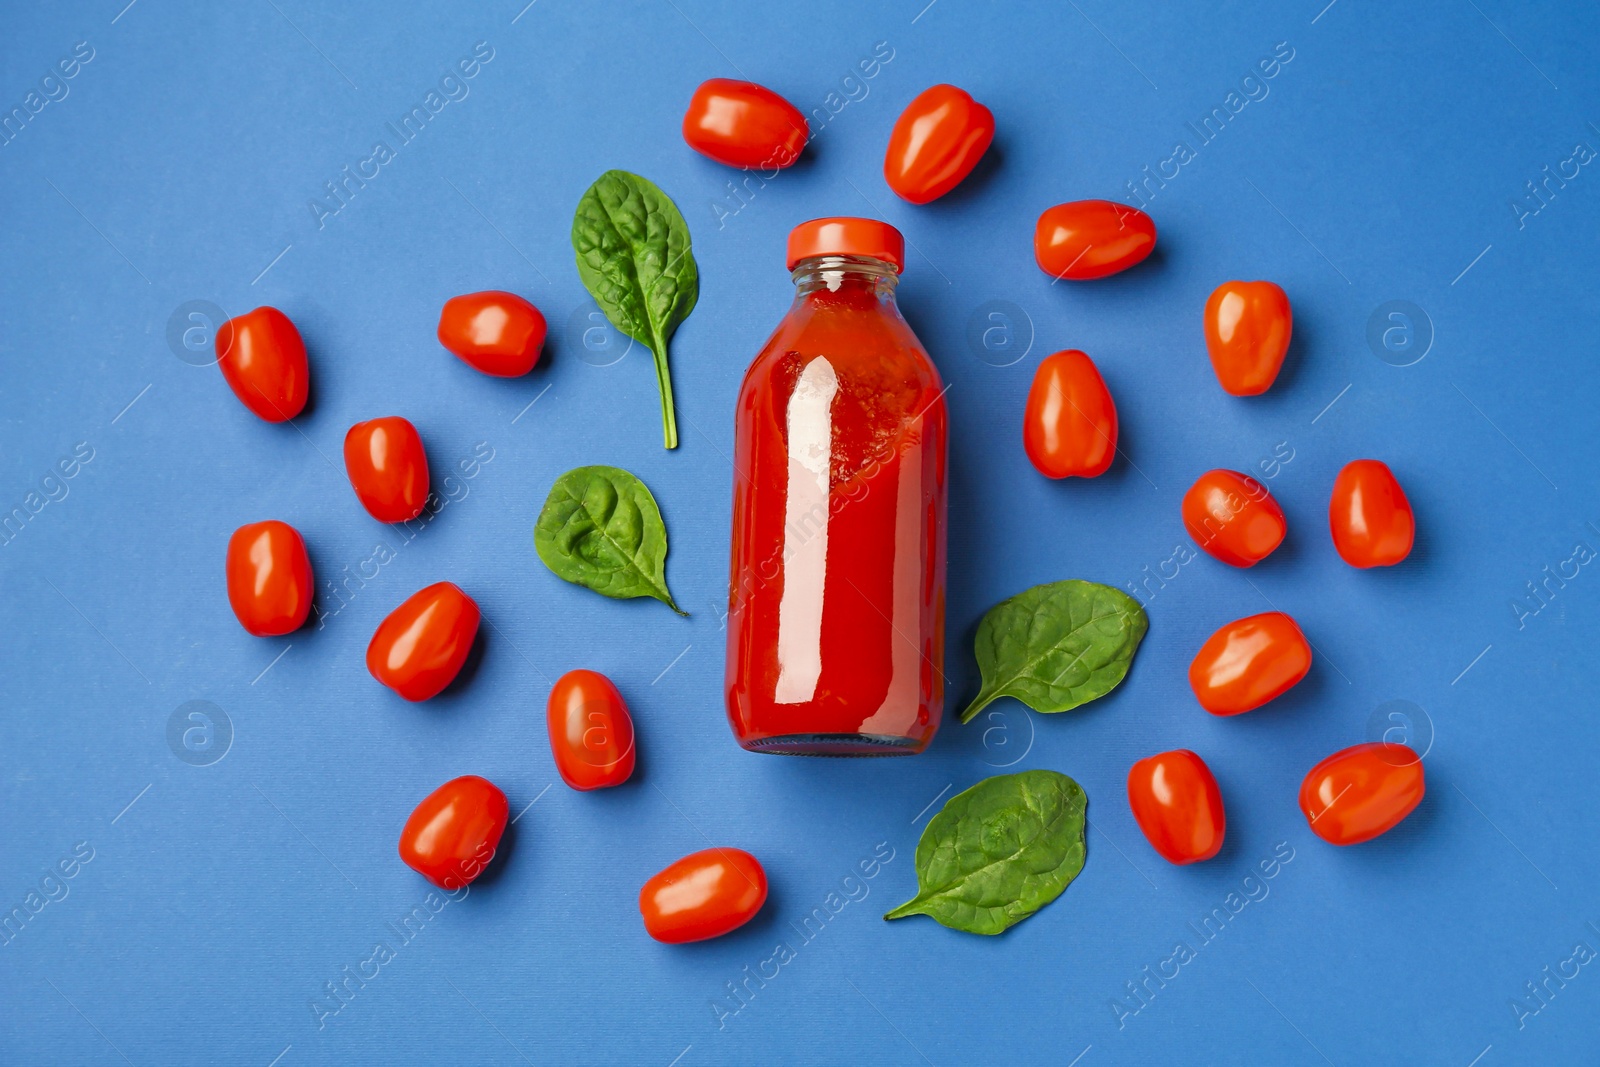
x=1381, y=164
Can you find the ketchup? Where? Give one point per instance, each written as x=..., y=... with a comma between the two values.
x=836, y=595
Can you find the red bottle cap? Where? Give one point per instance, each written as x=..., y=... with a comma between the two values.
x=847, y=237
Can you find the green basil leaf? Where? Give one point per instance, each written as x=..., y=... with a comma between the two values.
x=633, y=256
x=1057, y=646
x=999, y=852
x=600, y=528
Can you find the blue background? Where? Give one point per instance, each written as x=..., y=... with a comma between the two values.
x=1381, y=165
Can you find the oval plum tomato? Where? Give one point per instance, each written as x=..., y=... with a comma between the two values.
x=420, y=647
x=1249, y=662
x=705, y=894
x=936, y=142
x=1175, y=800
x=1069, y=427
x=269, y=578
x=1362, y=791
x=744, y=124
x=1247, y=332
x=451, y=836
x=1090, y=239
x=591, y=733
x=263, y=360
x=1233, y=517
x=388, y=468
x=495, y=332
x=1370, y=515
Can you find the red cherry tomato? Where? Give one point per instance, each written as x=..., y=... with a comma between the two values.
x=705, y=894
x=936, y=142
x=744, y=124
x=1362, y=791
x=1249, y=662
x=1089, y=239
x=494, y=332
x=1069, y=427
x=1370, y=515
x=1247, y=332
x=1233, y=517
x=263, y=360
x=388, y=468
x=1177, y=804
x=591, y=733
x=420, y=647
x=451, y=836
x=269, y=578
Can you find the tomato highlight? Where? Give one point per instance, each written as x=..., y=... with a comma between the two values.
x=1362, y=791
x=1233, y=517
x=387, y=467
x=269, y=578
x=1069, y=427
x=706, y=894
x=1177, y=804
x=742, y=124
x=936, y=142
x=1090, y=239
x=1247, y=326
x=452, y=835
x=263, y=360
x=591, y=732
x=1248, y=663
x=1370, y=516
x=495, y=332
x=421, y=646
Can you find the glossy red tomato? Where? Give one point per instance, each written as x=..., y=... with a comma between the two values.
x=451, y=836
x=1370, y=515
x=705, y=894
x=1089, y=239
x=1249, y=662
x=420, y=647
x=1069, y=427
x=495, y=332
x=1362, y=791
x=388, y=468
x=1247, y=332
x=744, y=124
x=1233, y=517
x=1177, y=804
x=263, y=360
x=936, y=142
x=269, y=578
x=591, y=733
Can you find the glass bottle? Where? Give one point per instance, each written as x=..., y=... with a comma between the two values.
x=837, y=582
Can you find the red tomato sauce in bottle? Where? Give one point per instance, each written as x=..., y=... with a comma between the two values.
x=837, y=586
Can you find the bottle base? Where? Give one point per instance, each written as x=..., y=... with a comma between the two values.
x=835, y=745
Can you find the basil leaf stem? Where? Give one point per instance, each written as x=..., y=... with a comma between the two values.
x=633, y=254
x=1057, y=646
x=600, y=528
x=999, y=852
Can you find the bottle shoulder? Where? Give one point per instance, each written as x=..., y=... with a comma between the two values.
x=869, y=347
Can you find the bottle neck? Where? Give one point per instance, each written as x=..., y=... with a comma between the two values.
x=845, y=274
